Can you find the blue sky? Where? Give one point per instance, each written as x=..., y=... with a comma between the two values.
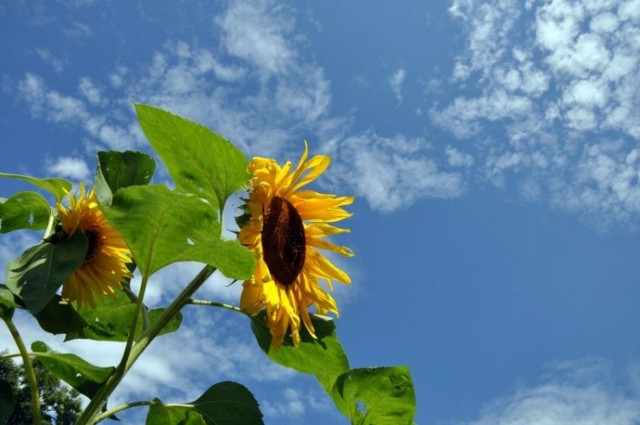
x=493, y=147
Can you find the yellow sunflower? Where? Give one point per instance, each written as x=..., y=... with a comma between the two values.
x=286, y=228
x=105, y=263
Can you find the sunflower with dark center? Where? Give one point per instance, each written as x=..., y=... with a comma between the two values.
x=287, y=227
x=105, y=262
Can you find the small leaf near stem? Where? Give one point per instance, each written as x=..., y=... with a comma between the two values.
x=108, y=413
x=29, y=371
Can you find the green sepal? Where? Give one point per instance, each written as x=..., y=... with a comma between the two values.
x=161, y=414
x=387, y=393
x=75, y=371
x=37, y=274
x=7, y=401
x=59, y=317
x=163, y=226
x=121, y=169
x=111, y=320
x=322, y=357
x=199, y=161
x=56, y=186
x=24, y=210
x=228, y=403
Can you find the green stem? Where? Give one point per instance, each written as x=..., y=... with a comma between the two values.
x=105, y=391
x=145, y=339
x=129, y=405
x=214, y=304
x=29, y=371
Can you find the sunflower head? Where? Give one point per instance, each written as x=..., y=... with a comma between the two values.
x=105, y=263
x=287, y=226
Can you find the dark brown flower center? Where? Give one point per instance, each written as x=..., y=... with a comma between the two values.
x=92, y=236
x=283, y=241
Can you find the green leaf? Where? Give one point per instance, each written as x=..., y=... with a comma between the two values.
x=59, y=317
x=323, y=357
x=228, y=403
x=387, y=393
x=111, y=320
x=121, y=169
x=162, y=227
x=55, y=186
x=81, y=375
x=37, y=274
x=161, y=414
x=199, y=161
x=24, y=210
x=6, y=401
x=7, y=303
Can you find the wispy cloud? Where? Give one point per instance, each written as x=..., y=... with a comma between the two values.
x=69, y=167
x=572, y=393
x=392, y=173
x=555, y=79
x=395, y=82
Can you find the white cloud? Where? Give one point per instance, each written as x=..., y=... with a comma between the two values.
x=69, y=167
x=573, y=393
x=258, y=32
x=90, y=91
x=391, y=173
x=457, y=158
x=548, y=81
x=395, y=82
x=51, y=59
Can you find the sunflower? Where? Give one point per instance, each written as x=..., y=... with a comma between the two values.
x=105, y=263
x=286, y=227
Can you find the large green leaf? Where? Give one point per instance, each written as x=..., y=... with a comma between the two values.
x=199, y=160
x=162, y=227
x=81, y=375
x=121, y=169
x=6, y=401
x=7, y=303
x=37, y=274
x=59, y=317
x=228, y=403
x=323, y=357
x=55, y=186
x=161, y=414
x=387, y=393
x=24, y=210
x=111, y=320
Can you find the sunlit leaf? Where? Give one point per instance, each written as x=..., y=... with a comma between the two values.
x=162, y=227
x=228, y=403
x=6, y=401
x=121, y=169
x=161, y=414
x=111, y=320
x=24, y=210
x=81, y=375
x=386, y=393
x=199, y=160
x=37, y=274
x=59, y=317
x=55, y=186
x=323, y=357
x=7, y=303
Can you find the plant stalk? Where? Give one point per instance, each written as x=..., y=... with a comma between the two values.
x=148, y=335
x=29, y=371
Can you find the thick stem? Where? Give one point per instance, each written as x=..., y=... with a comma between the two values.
x=105, y=391
x=214, y=304
x=145, y=339
x=28, y=369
